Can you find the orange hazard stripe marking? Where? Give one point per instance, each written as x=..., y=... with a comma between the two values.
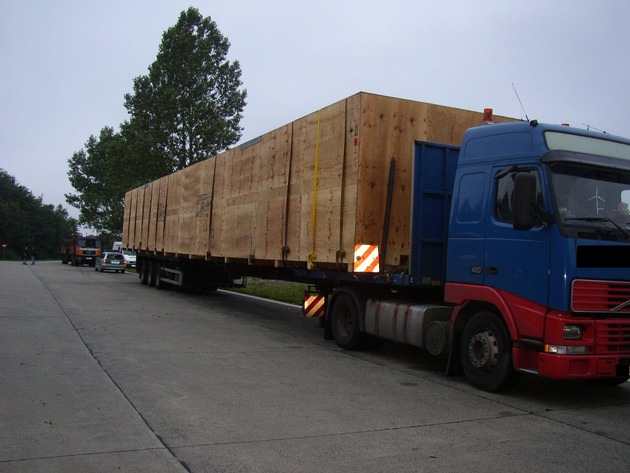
x=314, y=306
x=366, y=259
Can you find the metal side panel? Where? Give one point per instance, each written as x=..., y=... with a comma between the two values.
x=434, y=166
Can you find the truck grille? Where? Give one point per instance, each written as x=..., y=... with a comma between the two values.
x=600, y=296
x=613, y=337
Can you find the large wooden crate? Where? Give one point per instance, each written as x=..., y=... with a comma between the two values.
x=305, y=193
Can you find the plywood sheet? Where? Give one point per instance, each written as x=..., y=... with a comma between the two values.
x=173, y=211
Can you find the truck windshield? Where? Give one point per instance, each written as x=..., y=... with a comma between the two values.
x=591, y=201
x=88, y=243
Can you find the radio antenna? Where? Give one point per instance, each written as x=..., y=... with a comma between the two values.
x=519, y=101
x=589, y=127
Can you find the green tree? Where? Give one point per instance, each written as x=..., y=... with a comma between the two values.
x=100, y=182
x=26, y=221
x=189, y=104
x=188, y=108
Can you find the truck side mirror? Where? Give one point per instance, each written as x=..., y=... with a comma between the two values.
x=524, y=201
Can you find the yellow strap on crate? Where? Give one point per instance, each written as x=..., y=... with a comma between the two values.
x=312, y=256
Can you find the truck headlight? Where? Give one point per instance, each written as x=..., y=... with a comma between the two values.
x=564, y=350
x=572, y=332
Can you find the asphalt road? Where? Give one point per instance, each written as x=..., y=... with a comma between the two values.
x=99, y=373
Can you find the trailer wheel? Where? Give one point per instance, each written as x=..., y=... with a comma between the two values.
x=144, y=273
x=152, y=272
x=157, y=275
x=346, y=327
x=486, y=353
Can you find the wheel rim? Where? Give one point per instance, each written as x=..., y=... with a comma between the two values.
x=483, y=350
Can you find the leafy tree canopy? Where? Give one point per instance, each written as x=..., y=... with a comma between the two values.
x=188, y=108
x=98, y=174
x=189, y=103
x=26, y=221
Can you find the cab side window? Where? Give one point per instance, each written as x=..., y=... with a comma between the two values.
x=504, y=188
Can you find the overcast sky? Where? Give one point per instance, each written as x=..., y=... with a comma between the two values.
x=65, y=65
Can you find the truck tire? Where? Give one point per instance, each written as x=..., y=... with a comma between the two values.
x=152, y=273
x=157, y=276
x=144, y=273
x=346, y=328
x=486, y=353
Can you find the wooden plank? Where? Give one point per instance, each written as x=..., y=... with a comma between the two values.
x=350, y=182
x=240, y=199
x=274, y=159
x=154, y=191
x=190, y=192
x=204, y=207
x=221, y=171
x=139, y=207
x=127, y=219
x=195, y=198
x=146, y=217
x=161, y=203
x=173, y=211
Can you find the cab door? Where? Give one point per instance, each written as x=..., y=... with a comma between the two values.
x=517, y=262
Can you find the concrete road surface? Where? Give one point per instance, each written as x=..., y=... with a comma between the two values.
x=101, y=374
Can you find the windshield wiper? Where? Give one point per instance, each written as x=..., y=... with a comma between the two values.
x=600, y=219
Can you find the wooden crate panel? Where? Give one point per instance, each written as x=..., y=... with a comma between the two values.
x=153, y=193
x=146, y=217
x=172, y=213
x=194, y=209
x=138, y=208
x=190, y=192
x=127, y=219
x=273, y=178
x=160, y=224
x=316, y=184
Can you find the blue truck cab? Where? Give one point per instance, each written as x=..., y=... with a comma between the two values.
x=538, y=255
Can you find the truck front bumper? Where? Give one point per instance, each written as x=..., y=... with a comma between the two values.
x=581, y=366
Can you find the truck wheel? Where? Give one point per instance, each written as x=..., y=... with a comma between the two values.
x=157, y=273
x=144, y=273
x=151, y=271
x=486, y=353
x=346, y=327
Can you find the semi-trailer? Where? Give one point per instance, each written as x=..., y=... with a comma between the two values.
x=501, y=244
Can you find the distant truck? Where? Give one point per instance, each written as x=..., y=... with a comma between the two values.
x=81, y=250
x=504, y=246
